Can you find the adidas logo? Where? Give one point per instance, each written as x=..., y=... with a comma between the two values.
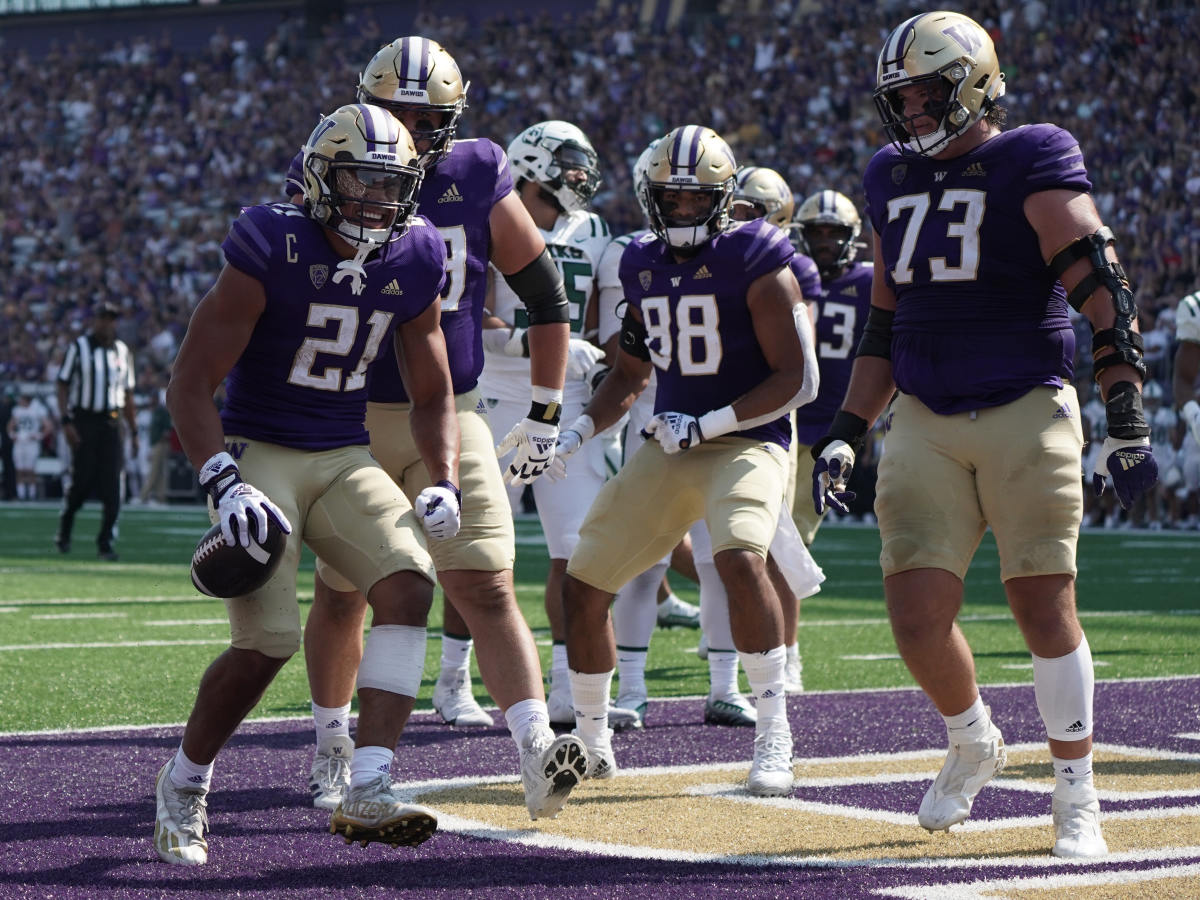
x=1128, y=461
x=1072, y=729
x=849, y=292
x=974, y=169
x=451, y=196
x=392, y=288
x=196, y=779
x=336, y=723
x=703, y=272
x=1063, y=412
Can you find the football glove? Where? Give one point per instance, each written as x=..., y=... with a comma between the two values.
x=506, y=342
x=831, y=471
x=534, y=442
x=581, y=357
x=235, y=501
x=568, y=442
x=676, y=432
x=1131, y=466
x=440, y=509
x=1191, y=416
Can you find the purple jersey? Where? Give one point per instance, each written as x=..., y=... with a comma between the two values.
x=841, y=317
x=980, y=319
x=457, y=197
x=302, y=379
x=807, y=276
x=699, y=331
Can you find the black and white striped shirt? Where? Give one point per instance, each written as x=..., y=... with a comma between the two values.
x=97, y=378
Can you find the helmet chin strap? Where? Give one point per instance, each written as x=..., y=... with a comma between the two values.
x=353, y=268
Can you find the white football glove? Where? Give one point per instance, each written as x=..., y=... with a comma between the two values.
x=675, y=431
x=568, y=442
x=1191, y=415
x=534, y=442
x=506, y=342
x=235, y=501
x=581, y=357
x=440, y=509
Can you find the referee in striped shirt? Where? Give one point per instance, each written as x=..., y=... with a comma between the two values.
x=95, y=391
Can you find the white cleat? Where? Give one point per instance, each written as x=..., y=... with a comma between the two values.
x=330, y=776
x=558, y=705
x=180, y=821
x=551, y=767
x=969, y=766
x=601, y=762
x=734, y=710
x=634, y=703
x=1077, y=825
x=374, y=812
x=454, y=702
x=676, y=613
x=702, y=647
x=771, y=772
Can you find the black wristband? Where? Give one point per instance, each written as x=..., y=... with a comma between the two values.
x=548, y=413
x=1123, y=409
x=847, y=427
x=221, y=483
x=452, y=487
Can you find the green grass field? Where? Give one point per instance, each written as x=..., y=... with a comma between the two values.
x=85, y=643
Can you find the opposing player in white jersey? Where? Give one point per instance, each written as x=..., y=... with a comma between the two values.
x=27, y=427
x=555, y=172
x=1186, y=387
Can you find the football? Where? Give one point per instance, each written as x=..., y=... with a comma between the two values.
x=223, y=571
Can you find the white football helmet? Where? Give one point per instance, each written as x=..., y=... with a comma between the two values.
x=946, y=51
x=559, y=157
x=640, y=168
x=763, y=194
x=691, y=160
x=361, y=176
x=833, y=247
x=417, y=74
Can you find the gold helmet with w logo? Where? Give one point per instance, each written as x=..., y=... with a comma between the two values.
x=688, y=186
x=766, y=194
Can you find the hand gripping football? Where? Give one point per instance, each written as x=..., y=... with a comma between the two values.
x=223, y=571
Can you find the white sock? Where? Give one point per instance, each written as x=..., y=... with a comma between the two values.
x=367, y=763
x=1072, y=774
x=972, y=722
x=722, y=673
x=793, y=653
x=525, y=718
x=589, y=693
x=631, y=671
x=187, y=774
x=456, y=657
x=558, y=666
x=1063, y=687
x=764, y=671
x=330, y=722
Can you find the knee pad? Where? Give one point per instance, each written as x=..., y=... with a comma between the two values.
x=1063, y=687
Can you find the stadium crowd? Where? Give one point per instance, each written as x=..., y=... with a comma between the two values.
x=128, y=161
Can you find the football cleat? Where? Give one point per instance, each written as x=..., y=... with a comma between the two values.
x=374, y=812
x=734, y=710
x=702, y=647
x=180, y=820
x=329, y=778
x=771, y=772
x=454, y=702
x=551, y=767
x=1077, y=824
x=633, y=703
x=601, y=762
x=676, y=613
x=969, y=766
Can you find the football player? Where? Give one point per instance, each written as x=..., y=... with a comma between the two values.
x=714, y=307
x=294, y=324
x=467, y=196
x=1186, y=386
x=983, y=239
x=555, y=169
x=27, y=427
